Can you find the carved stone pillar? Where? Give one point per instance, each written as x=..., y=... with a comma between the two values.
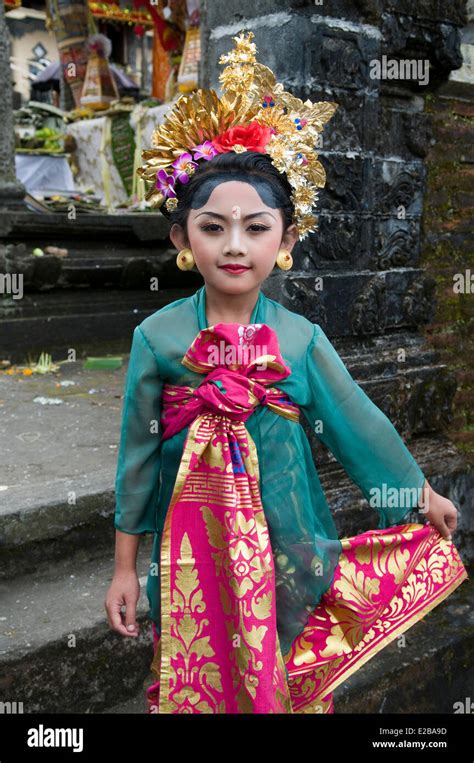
x=11, y=190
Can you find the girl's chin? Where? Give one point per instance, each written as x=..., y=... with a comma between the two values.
x=236, y=285
x=231, y=282
x=225, y=276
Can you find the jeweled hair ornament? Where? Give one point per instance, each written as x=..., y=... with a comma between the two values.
x=255, y=113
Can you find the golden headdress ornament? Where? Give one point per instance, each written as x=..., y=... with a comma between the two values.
x=255, y=113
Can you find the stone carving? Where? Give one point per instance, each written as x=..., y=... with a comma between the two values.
x=418, y=303
x=400, y=188
x=11, y=190
x=418, y=133
x=430, y=404
x=301, y=294
x=344, y=186
x=368, y=312
x=394, y=246
x=339, y=237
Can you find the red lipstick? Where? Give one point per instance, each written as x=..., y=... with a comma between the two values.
x=234, y=269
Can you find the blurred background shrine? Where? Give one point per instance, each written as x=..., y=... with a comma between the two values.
x=90, y=82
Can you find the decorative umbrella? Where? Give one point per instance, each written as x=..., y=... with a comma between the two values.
x=50, y=76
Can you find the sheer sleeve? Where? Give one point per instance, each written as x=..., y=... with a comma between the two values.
x=137, y=479
x=360, y=435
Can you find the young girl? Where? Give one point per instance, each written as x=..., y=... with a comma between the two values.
x=256, y=605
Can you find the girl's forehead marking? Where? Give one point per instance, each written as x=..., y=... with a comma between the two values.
x=236, y=212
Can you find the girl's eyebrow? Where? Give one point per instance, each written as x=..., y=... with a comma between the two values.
x=223, y=217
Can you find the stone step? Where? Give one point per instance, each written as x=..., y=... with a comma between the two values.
x=135, y=705
x=60, y=226
x=58, y=654
x=91, y=321
x=452, y=479
x=115, y=265
x=58, y=465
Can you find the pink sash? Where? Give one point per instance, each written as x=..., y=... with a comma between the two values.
x=220, y=651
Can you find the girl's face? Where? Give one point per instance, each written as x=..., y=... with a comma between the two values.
x=234, y=227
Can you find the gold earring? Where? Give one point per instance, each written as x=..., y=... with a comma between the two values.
x=284, y=259
x=185, y=259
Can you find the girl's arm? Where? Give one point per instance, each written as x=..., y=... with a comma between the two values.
x=126, y=551
x=137, y=481
x=365, y=442
x=124, y=590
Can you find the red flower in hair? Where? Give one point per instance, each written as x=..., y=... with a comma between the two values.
x=253, y=136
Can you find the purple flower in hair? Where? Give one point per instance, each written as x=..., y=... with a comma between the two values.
x=180, y=165
x=205, y=150
x=165, y=183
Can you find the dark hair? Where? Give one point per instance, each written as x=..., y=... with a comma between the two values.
x=234, y=166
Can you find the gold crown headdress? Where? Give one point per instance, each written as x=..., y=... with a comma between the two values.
x=255, y=113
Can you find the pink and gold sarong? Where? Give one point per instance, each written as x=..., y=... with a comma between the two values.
x=219, y=651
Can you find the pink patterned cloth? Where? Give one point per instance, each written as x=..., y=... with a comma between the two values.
x=219, y=651
x=386, y=580
x=240, y=363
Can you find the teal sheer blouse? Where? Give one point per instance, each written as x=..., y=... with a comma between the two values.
x=303, y=535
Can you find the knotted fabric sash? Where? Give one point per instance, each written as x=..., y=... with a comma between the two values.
x=220, y=651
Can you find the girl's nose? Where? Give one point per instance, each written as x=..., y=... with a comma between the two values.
x=236, y=243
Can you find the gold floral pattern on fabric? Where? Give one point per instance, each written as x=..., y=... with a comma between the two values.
x=372, y=600
x=387, y=555
x=191, y=639
x=237, y=541
x=238, y=566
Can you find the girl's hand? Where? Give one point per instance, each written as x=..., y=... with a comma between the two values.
x=441, y=512
x=124, y=591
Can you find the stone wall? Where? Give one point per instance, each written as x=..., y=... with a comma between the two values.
x=448, y=252
x=374, y=151
x=378, y=300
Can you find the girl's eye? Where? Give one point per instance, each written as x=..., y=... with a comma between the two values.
x=255, y=226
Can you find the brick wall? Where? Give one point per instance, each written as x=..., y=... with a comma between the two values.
x=448, y=248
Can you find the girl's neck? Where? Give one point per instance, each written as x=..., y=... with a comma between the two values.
x=230, y=308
